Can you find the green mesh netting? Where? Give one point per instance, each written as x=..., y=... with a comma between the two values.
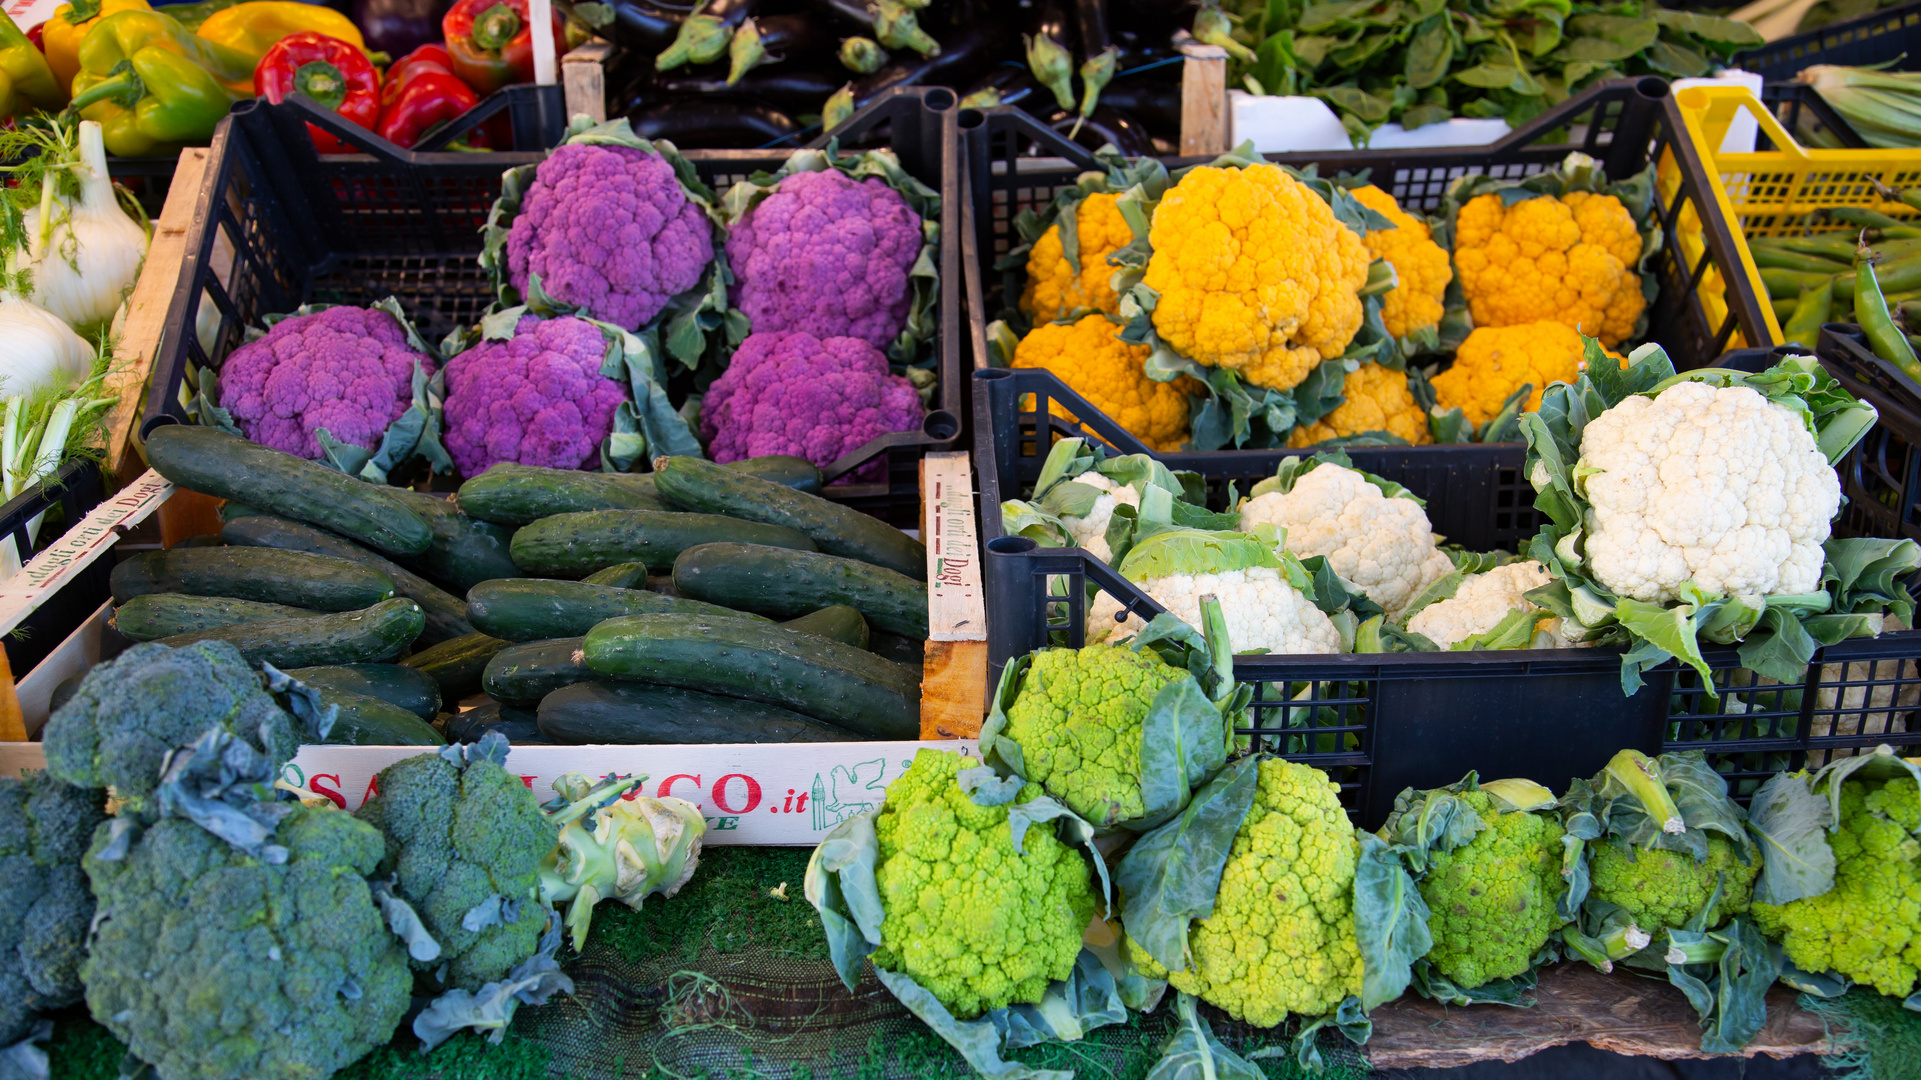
x=1877, y=1037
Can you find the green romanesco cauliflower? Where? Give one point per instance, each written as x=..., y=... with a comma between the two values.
x=1491, y=901
x=1281, y=939
x=978, y=924
x=1666, y=888
x=1078, y=722
x=1868, y=927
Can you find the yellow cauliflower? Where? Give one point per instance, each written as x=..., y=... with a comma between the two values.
x=1546, y=259
x=1254, y=274
x=1420, y=263
x=1495, y=360
x=1281, y=939
x=1374, y=398
x=1095, y=363
x=1053, y=289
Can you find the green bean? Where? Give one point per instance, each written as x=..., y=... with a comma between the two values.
x=1787, y=284
x=1874, y=219
x=1810, y=315
x=1886, y=339
x=1782, y=259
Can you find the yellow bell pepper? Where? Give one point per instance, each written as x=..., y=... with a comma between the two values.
x=62, y=34
x=254, y=27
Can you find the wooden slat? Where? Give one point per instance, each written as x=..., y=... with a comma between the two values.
x=954, y=673
x=13, y=726
x=583, y=79
x=953, y=690
x=1203, y=99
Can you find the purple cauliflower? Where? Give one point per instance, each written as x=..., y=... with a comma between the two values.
x=788, y=392
x=609, y=230
x=826, y=255
x=347, y=369
x=536, y=399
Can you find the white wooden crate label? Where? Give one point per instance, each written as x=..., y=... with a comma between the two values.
x=45, y=573
x=954, y=608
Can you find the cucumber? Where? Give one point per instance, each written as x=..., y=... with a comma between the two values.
x=901, y=649
x=572, y=545
x=523, y=674
x=627, y=575
x=689, y=483
x=466, y=551
x=350, y=637
x=784, y=584
x=456, y=664
x=364, y=720
x=158, y=615
x=203, y=540
x=405, y=687
x=518, y=725
x=225, y=466
x=784, y=469
x=446, y=613
x=294, y=578
x=510, y=494
x=836, y=623
x=636, y=713
x=843, y=685
x=535, y=609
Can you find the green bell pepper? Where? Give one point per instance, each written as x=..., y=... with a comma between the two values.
x=26, y=82
x=153, y=86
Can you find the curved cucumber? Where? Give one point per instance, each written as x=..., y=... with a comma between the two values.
x=689, y=483
x=404, y=687
x=535, y=609
x=510, y=494
x=843, y=685
x=635, y=713
x=446, y=613
x=836, y=623
x=456, y=664
x=363, y=720
x=466, y=551
x=349, y=637
x=517, y=724
x=523, y=674
x=627, y=575
x=785, y=584
x=159, y=615
x=215, y=463
x=294, y=578
x=570, y=545
x=901, y=649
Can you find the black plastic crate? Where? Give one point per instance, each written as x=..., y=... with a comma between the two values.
x=356, y=228
x=64, y=498
x=1873, y=38
x=1812, y=120
x=1881, y=478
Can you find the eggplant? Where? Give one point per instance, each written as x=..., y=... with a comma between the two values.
x=1051, y=17
x=962, y=56
x=769, y=39
x=646, y=25
x=853, y=13
x=398, y=27
x=713, y=123
x=788, y=86
x=1090, y=18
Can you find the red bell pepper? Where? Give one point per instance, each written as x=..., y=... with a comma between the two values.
x=492, y=42
x=332, y=72
x=422, y=91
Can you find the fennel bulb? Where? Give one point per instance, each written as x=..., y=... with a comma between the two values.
x=83, y=251
x=38, y=349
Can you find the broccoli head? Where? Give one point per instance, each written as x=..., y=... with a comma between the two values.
x=1667, y=888
x=977, y=923
x=537, y=398
x=1281, y=939
x=347, y=369
x=212, y=964
x=45, y=906
x=1491, y=901
x=131, y=710
x=464, y=839
x=1078, y=722
x=1868, y=926
x=610, y=230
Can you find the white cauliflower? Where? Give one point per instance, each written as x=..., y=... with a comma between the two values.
x=1090, y=532
x=1715, y=485
x=1384, y=546
x=1263, y=611
x=1482, y=601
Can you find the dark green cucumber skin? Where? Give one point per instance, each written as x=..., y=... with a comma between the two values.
x=784, y=584
x=159, y=615
x=689, y=483
x=627, y=575
x=349, y=637
x=784, y=469
x=365, y=720
x=837, y=622
x=625, y=713
x=840, y=684
x=523, y=674
x=215, y=463
x=519, y=725
x=404, y=687
x=446, y=613
x=901, y=649
x=456, y=664
x=573, y=545
x=510, y=494
x=267, y=575
x=535, y=609
x=466, y=550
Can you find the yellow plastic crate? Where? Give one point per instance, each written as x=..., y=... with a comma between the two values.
x=1774, y=192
